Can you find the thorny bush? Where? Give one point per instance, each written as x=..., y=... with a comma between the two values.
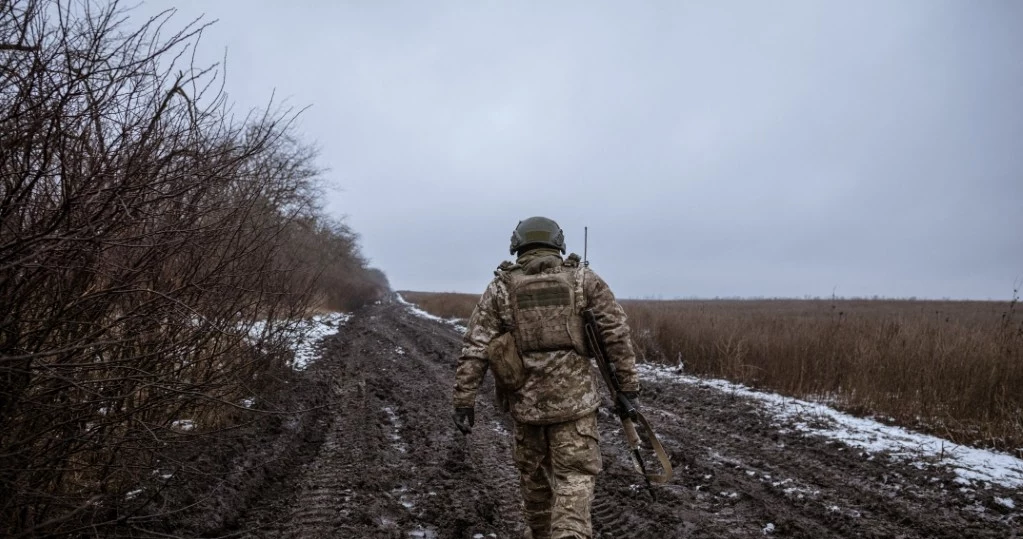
x=154, y=257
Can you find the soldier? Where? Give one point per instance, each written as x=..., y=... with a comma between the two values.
x=553, y=395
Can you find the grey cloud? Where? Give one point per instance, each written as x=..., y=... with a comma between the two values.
x=715, y=149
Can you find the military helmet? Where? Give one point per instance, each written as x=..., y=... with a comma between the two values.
x=537, y=231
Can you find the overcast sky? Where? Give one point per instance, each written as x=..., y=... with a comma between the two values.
x=713, y=148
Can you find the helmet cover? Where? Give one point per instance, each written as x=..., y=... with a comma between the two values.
x=537, y=231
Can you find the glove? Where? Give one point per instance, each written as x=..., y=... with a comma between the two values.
x=464, y=419
x=632, y=397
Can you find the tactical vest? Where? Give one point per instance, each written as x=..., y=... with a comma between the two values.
x=546, y=308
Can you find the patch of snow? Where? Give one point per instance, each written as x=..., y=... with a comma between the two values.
x=132, y=494
x=183, y=425
x=768, y=529
x=414, y=309
x=310, y=332
x=1007, y=502
x=730, y=461
x=969, y=464
x=404, y=498
x=305, y=336
x=392, y=418
x=399, y=350
x=248, y=402
x=799, y=493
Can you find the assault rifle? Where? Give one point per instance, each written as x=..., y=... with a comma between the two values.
x=624, y=408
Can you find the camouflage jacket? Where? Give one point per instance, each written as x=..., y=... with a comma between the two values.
x=561, y=384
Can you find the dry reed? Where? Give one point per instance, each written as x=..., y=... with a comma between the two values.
x=445, y=305
x=953, y=368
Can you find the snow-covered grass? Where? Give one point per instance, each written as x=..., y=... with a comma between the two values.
x=183, y=425
x=969, y=464
x=311, y=331
x=414, y=309
x=306, y=335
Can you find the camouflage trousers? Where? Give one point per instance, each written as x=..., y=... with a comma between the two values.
x=558, y=466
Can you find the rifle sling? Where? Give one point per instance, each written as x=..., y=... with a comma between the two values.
x=662, y=456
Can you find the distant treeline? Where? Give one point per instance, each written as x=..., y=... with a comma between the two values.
x=953, y=368
x=155, y=253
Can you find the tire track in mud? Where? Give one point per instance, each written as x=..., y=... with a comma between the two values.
x=477, y=467
x=743, y=471
x=391, y=463
x=386, y=461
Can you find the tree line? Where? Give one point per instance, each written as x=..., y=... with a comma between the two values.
x=156, y=254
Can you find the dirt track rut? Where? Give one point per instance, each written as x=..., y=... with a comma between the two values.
x=384, y=460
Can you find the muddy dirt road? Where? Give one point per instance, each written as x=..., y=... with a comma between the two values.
x=384, y=460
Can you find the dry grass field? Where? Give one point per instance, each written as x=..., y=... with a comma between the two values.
x=953, y=368
x=443, y=304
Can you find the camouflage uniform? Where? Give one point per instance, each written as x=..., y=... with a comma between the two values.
x=556, y=440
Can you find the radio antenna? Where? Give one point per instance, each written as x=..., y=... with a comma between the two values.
x=586, y=245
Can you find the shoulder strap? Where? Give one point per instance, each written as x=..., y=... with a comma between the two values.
x=579, y=276
x=506, y=266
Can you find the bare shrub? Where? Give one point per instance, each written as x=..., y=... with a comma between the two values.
x=154, y=258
